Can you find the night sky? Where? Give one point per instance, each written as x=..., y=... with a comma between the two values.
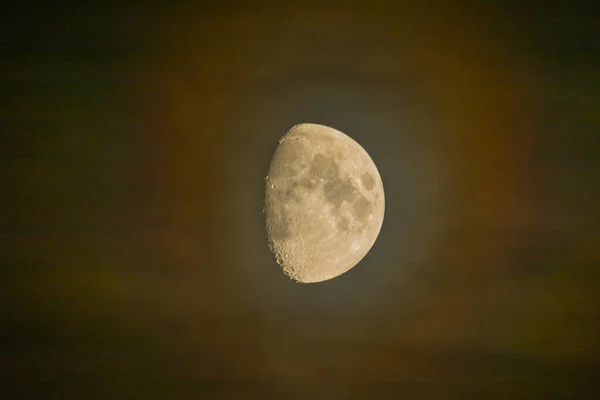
x=134, y=142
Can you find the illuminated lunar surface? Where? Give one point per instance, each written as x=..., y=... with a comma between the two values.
x=324, y=203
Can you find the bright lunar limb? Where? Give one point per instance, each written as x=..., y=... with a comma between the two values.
x=324, y=203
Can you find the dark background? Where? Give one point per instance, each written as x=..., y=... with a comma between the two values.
x=134, y=140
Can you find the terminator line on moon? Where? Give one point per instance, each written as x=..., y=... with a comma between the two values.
x=324, y=203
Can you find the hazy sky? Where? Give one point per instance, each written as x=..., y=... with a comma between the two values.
x=134, y=142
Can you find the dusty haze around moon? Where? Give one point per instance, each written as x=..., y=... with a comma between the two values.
x=324, y=203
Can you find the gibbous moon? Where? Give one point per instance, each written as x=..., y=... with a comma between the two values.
x=324, y=203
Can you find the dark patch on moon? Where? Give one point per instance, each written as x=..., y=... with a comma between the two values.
x=367, y=181
x=324, y=167
x=338, y=191
x=343, y=224
x=307, y=183
x=292, y=193
x=362, y=209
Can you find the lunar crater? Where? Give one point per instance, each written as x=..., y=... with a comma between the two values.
x=367, y=181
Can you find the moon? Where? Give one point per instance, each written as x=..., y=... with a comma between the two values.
x=324, y=203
